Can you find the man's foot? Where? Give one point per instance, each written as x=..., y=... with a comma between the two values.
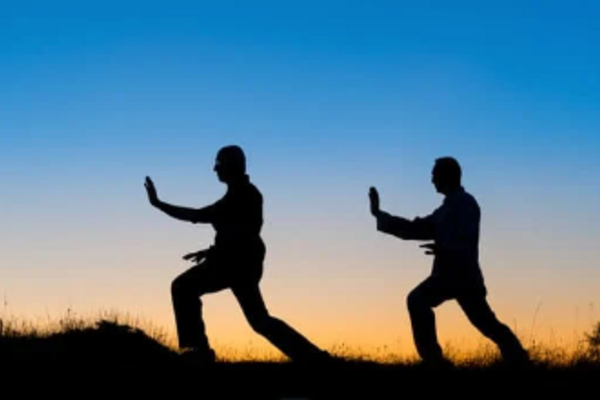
x=321, y=358
x=442, y=364
x=199, y=356
x=519, y=361
x=326, y=358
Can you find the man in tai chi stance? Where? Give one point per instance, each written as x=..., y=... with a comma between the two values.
x=234, y=261
x=453, y=232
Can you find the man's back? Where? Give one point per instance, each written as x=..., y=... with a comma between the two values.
x=457, y=227
x=238, y=217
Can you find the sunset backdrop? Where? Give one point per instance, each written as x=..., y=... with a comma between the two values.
x=327, y=98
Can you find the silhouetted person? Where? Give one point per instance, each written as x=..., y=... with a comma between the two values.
x=453, y=232
x=234, y=261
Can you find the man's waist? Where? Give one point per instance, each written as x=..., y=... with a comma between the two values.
x=453, y=266
x=238, y=240
x=254, y=249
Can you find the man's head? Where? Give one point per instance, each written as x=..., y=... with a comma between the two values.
x=446, y=174
x=230, y=163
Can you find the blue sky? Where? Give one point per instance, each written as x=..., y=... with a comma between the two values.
x=334, y=74
x=327, y=98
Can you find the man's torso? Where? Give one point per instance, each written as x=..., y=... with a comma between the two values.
x=457, y=223
x=238, y=221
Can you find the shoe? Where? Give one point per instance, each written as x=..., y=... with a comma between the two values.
x=320, y=359
x=325, y=358
x=199, y=356
x=442, y=364
x=518, y=362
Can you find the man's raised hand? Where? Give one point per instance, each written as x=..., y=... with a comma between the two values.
x=151, y=190
x=374, y=201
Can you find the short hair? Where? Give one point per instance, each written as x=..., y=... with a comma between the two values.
x=449, y=168
x=233, y=157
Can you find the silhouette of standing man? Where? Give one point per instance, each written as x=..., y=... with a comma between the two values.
x=234, y=261
x=453, y=232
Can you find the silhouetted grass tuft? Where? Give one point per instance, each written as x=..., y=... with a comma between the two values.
x=81, y=342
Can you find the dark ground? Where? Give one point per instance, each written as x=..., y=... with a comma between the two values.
x=115, y=361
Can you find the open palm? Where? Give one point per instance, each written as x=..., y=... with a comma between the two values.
x=374, y=200
x=151, y=191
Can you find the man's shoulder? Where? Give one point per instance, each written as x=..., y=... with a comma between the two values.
x=253, y=186
x=468, y=196
x=253, y=190
x=468, y=200
x=462, y=198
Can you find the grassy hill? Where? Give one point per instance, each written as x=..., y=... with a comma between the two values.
x=109, y=355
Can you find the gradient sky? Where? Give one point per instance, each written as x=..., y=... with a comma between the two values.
x=327, y=98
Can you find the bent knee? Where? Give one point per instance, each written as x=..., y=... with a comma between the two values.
x=179, y=286
x=413, y=299
x=418, y=300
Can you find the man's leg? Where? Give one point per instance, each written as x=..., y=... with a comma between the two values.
x=281, y=335
x=421, y=301
x=479, y=312
x=186, y=291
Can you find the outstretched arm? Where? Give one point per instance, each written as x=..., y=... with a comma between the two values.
x=403, y=228
x=420, y=228
x=201, y=215
x=194, y=215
